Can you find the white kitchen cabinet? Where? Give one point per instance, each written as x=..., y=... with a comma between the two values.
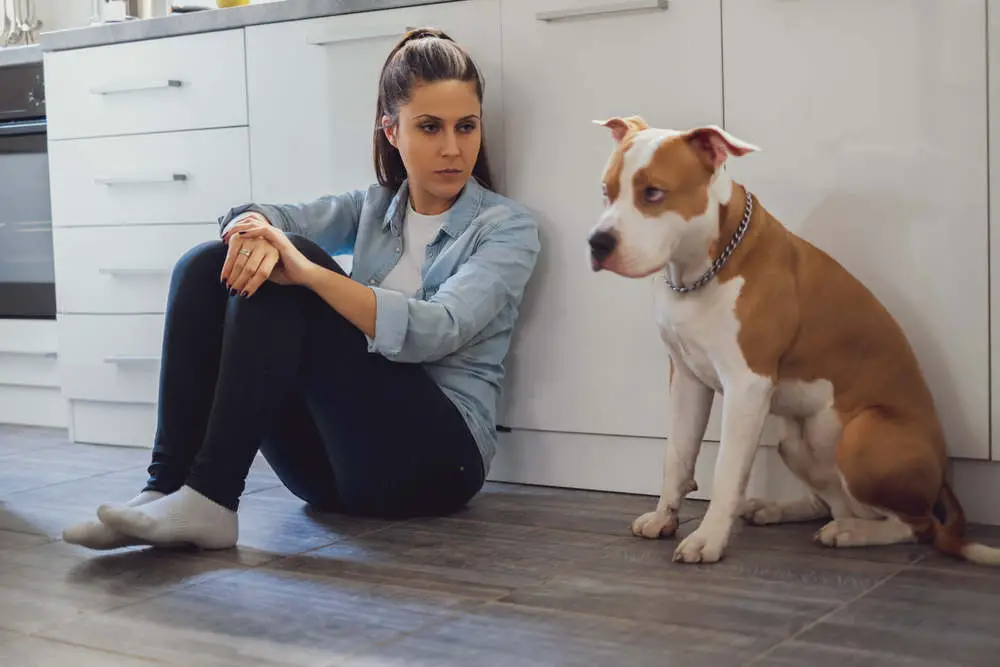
x=159, y=85
x=121, y=270
x=993, y=43
x=312, y=88
x=587, y=357
x=149, y=179
x=872, y=120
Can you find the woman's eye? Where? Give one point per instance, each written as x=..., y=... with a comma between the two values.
x=429, y=127
x=467, y=127
x=653, y=195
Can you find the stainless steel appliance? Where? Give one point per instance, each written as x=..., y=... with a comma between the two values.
x=27, y=273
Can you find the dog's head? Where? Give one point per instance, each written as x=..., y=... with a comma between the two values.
x=662, y=193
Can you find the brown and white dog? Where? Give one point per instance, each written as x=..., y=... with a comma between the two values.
x=752, y=311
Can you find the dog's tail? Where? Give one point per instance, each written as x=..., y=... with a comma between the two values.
x=949, y=538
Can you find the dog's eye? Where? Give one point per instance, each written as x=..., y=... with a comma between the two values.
x=653, y=195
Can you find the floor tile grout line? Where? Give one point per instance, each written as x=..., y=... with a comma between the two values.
x=822, y=619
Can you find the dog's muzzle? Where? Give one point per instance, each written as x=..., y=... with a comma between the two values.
x=602, y=244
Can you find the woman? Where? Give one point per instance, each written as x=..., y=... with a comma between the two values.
x=373, y=395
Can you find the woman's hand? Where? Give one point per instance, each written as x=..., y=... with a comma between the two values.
x=249, y=262
x=291, y=267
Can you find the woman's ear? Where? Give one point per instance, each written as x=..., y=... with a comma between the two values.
x=390, y=129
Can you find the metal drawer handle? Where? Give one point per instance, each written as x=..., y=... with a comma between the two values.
x=602, y=10
x=135, y=87
x=141, y=180
x=133, y=272
x=327, y=37
x=124, y=359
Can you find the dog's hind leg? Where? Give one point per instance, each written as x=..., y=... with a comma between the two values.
x=891, y=468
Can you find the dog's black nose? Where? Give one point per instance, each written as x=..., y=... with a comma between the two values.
x=602, y=244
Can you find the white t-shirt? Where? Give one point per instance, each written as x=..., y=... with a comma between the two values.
x=418, y=231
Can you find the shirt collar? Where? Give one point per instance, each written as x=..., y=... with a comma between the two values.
x=460, y=215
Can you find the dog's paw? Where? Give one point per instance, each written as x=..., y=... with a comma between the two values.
x=701, y=546
x=760, y=512
x=653, y=525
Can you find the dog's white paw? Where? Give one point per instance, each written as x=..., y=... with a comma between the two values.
x=760, y=512
x=837, y=533
x=701, y=546
x=653, y=525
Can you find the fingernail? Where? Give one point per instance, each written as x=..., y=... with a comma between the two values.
x=232, y=292
x=244, y=294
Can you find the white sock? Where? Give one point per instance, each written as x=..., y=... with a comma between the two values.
x=96, y=535
x=183, y=517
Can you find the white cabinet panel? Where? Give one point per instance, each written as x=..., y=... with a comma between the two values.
x=108, y=423
x=110, y=357
x=587, y=356
x=872, y=120
x=182, y=177
x=993, y=40
x=159, y=85
x=313, y=85
x=121, y=269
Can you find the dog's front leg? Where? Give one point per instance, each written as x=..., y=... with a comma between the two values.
x=745, y=406
x=690, y=407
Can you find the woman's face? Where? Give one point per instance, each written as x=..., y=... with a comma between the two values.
x=439, y=136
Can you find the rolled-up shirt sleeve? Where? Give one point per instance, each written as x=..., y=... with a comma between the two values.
x=330, y=221
x=417, y=331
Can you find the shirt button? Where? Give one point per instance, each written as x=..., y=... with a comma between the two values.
x=399, y=250
x=371, y=281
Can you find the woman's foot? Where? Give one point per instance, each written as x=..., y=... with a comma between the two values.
x=96, y=535
x=184, y=517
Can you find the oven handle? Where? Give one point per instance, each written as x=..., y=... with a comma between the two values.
x=23, y=128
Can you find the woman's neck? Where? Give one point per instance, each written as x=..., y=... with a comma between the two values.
x=425, y=203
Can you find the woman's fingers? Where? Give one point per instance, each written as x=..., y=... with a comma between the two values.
x=263, y=273
x=244, y=221
x=251, y=256
x=233, y=257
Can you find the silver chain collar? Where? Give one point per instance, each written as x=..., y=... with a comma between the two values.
x=723, y=257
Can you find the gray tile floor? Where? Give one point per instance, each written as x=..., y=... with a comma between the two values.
x=525, y=576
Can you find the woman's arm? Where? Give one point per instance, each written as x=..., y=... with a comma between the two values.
x=331, y=221
x=349, y=298
x=413, y=330
x=417, y=331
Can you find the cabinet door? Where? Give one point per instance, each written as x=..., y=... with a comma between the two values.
x=872, y=120
x=587, y=357
x=312, y=90
x=993, y=43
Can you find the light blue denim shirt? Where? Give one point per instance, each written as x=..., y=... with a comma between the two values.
x=459, y=324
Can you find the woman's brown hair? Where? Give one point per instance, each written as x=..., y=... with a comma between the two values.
x=424, y=55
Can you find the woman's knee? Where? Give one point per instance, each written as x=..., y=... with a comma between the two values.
x=201, y=262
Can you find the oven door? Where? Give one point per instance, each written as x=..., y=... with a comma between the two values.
x=27, y=271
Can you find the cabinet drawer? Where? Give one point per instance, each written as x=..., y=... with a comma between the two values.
x=33, y=406
x=121, y=269
x=29, y=369
x=178, y=83
x=182, y=177
x=110, y=357
x=123, y=424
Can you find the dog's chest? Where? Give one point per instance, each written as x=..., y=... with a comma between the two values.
x=700, y=329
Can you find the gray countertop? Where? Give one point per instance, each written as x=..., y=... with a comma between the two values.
x=20, y=55
x=211, y=20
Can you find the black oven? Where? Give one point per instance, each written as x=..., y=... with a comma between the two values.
x=27, y=270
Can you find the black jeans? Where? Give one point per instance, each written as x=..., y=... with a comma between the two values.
x=282, y=372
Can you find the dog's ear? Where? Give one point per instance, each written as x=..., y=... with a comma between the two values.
x=620, y=127
x=714, y=145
